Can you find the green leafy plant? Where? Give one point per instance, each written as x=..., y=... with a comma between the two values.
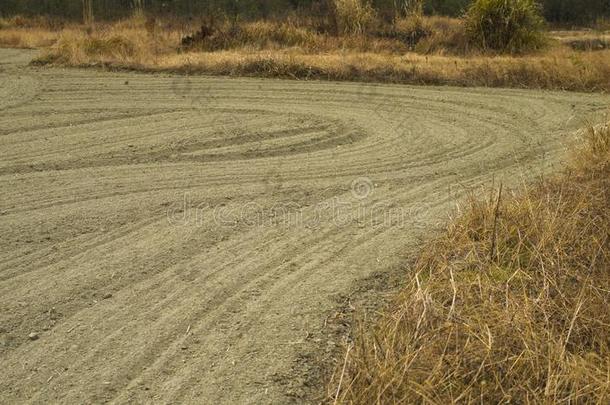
x=512, y=26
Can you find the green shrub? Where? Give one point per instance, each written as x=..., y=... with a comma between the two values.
x=513, y=26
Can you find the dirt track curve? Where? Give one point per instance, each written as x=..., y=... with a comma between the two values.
x=174, y=239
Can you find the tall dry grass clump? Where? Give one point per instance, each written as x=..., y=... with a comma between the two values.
x=33, y=32
x=513, y=26
x=430, y=34
x=440, y=52
x=132, y=42
x=253, y=35
x=27, y=37
x=354, y=17
x=593, y=154
x=510, y=305
x=408, y=7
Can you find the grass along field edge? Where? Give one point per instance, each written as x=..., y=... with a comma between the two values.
x=510, y=304
x=558, y=71
x=268, y=49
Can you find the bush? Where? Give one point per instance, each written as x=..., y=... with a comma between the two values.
x=513, y=26
x=447, y=36
x=353, y=16
x=411, y=30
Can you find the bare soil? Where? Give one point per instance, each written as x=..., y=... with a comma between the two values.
x=177, y=239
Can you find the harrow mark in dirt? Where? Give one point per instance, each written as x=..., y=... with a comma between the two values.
x=172, y=239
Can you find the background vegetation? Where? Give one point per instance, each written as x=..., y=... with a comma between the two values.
x=555, y=11
x=350, y=40
x=507, y=26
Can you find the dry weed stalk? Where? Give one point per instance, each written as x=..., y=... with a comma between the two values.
x=531, y=326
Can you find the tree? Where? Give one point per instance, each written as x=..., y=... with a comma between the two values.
x=409, y=7
x=88, y=12
x=138, y=7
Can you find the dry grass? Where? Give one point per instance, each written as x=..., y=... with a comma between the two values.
x=589, y=40
x=510, y=305
x=354, y=16
x=38, y=32
x=267, y=35
x=561, y=69
x=414, y=50
x=27, y=37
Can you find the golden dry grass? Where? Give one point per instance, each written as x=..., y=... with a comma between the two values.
x=294, y=50
x=510, y=305
x=560, y=69
x=589, y=40
x=289, y=34
x=27, y=37
x=37, y=32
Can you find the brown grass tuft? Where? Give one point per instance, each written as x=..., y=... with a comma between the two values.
x=561, y=69
x=415, y=50
x=15, y=37
x=510, y=304
x=354, y=16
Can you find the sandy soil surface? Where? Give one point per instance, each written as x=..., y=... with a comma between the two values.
x=174, y=239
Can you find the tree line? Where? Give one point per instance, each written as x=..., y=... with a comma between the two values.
x=558, y=11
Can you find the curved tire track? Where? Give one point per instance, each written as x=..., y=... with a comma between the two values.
x=217, y=303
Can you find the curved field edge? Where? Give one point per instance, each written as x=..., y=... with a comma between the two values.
x=130, y=46
x=560, y=70
x=510, y=304
x=273, y=49
x=95, y=166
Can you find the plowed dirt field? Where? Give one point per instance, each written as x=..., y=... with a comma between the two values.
x=176, y=239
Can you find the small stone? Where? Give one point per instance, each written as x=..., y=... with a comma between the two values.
x=126, y=82
x=33, y=336
x=106, y=296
